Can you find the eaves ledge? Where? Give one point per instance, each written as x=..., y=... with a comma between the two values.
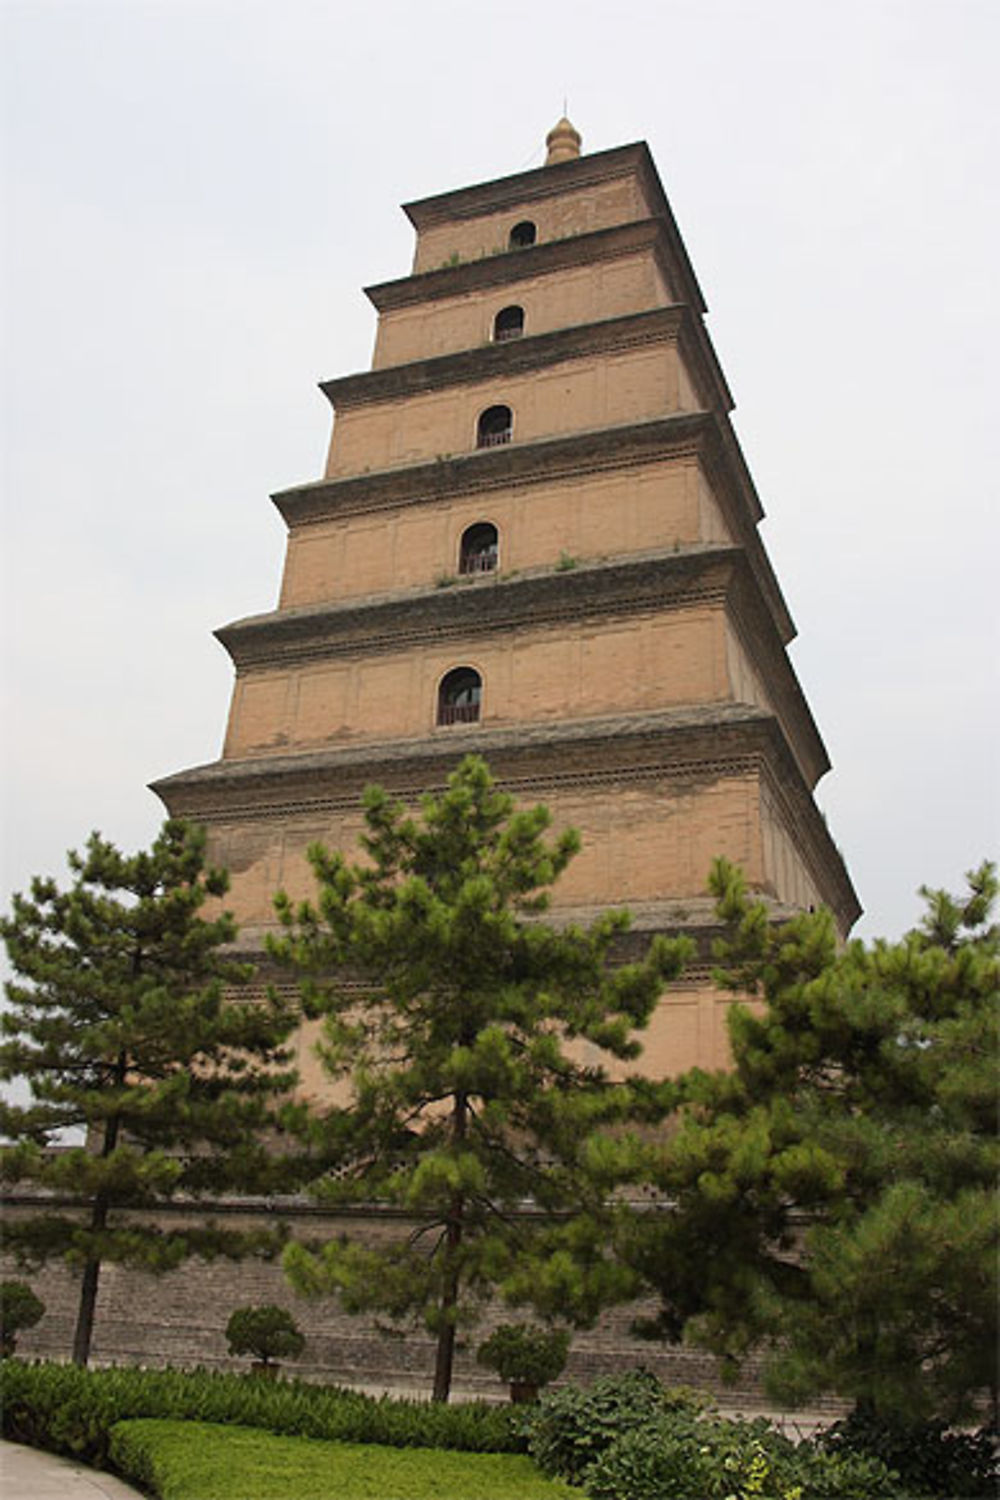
x=514, y=357
x=515, y=265
x=447, y=745
x=659, y=579
x=512, y=464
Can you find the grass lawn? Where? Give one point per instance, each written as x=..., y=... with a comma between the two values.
x=201, y=1461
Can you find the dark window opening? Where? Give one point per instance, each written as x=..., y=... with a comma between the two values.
x=459, y=696
x=479, y=550
x=522, y=235
x=508, y=324
x=495, y=426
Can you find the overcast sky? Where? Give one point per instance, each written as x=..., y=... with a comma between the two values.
x=194, y=193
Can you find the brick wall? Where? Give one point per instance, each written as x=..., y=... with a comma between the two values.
x=180, y=1318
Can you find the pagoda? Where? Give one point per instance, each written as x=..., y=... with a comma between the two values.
x=536, y=539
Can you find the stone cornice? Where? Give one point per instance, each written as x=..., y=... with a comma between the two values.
x=683, y=747
x=487, y=362
x=483, y=606
x=700, y=740
x=515, y=465
x=510, y=466
x=547, y=182
x=510, y=265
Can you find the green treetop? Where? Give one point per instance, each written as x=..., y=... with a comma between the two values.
x=120, y=1020
x=835, y=1193
x=473, y=1042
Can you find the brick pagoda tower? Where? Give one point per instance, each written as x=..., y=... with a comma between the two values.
x=536, y=539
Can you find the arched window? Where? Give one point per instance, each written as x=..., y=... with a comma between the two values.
x=459, y=696
x=478, y=552
x=495, y=426
x=508, y=324
x=522, y=235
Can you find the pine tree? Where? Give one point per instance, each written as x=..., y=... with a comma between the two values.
x=474, y=1043
x=835, y=1193
x=122, y=1021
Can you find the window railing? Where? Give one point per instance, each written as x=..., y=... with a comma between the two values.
x=458, y=713
x=494, y=439
x=478, y=562
x=507, y=333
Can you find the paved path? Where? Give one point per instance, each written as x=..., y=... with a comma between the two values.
x=30, y=1474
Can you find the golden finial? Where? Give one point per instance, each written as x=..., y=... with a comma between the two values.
x=563, y=141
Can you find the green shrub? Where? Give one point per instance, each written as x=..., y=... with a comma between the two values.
x=928, y=1458
x=681, y=1454
x=268, y=1333
x=525, y=1352
x=19, y=1308
x=71, y=1410
x=629, y=1438
x=656, y=1461
x=572, y=1427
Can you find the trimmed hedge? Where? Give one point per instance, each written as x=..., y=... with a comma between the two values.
x=198, y=1461
x=70, y=1410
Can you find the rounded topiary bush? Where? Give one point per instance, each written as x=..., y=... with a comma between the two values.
x=19, y=1308
x=267, y=1333
x=525, y=1354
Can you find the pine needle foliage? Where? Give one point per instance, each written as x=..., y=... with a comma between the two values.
x=476, y=1061
x=125, y=1019
x=835, y=1192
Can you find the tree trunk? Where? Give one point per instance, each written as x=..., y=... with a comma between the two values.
x=98, y=1221
x=446, y=1333
x=445, y=1359
x=867, y=1356
x=88, y=1290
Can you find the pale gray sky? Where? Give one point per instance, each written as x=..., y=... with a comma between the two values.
x=194, y=192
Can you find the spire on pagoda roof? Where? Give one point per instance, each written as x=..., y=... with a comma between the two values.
x=563, y=141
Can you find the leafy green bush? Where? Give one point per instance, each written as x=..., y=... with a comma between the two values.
x=629, y=1438
x=928, y=1458
x=525, y=1352
x=71, y=1410
x=19, y=1308
x=658, y=1460
x=268, y=1333
x=572, y=1427
x=681, y=1454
